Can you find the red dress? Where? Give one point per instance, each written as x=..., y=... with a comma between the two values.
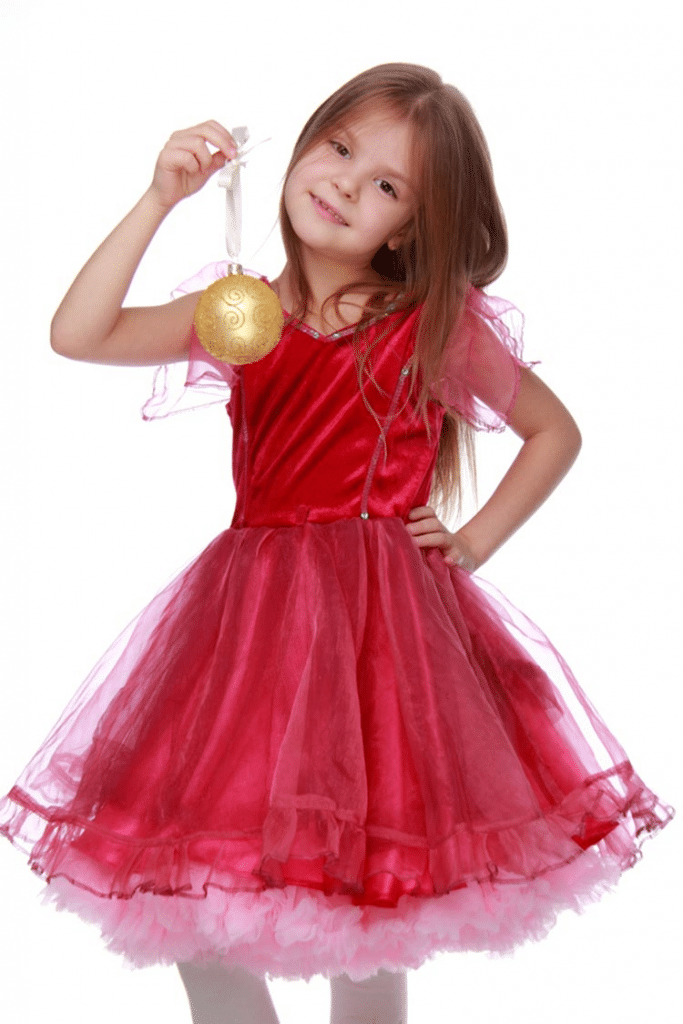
x=320, y=749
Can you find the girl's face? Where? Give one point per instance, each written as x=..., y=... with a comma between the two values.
x=352, y=192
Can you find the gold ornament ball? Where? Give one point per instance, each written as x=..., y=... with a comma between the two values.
x=238, y=319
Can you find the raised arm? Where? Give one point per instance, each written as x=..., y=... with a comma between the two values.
x=551, y=444
x=90, y=323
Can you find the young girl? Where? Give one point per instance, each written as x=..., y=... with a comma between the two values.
x=325, y=748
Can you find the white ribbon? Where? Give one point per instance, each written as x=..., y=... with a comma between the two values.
x=229, y=179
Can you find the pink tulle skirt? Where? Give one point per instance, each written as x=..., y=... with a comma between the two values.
x=320, y=749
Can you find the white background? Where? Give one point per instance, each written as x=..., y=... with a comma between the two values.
x=579, y=103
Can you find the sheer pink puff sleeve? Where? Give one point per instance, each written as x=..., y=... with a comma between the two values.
x=203, y=380
x=481, y=368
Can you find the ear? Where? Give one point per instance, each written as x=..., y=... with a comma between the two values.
x=397, y=240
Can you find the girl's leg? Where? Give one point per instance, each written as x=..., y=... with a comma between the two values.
x=227, y=995
x=382, y=999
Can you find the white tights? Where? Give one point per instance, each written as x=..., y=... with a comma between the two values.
x=382, y=999
x=222, y=995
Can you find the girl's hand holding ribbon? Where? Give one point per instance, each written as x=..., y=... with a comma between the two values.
x=429, y=532
x=186, y=163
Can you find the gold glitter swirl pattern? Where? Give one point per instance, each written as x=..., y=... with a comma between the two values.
x=238, y=319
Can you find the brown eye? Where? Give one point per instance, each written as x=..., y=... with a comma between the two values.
x=387, y=187
x=340, y=148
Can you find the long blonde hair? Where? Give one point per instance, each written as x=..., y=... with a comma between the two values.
x=457, y=237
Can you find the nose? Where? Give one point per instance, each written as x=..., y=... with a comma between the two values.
x=345, y=183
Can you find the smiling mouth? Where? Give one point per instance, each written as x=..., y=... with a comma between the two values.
x=335, y=214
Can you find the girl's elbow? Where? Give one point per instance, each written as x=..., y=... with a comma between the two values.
x=65, y=344
x=575, y=433
x=59, y=341
x=572, y=438
x=57, y=345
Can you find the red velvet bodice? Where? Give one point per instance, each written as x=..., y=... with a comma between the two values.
x=307, y=448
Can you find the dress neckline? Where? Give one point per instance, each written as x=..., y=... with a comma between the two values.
x=312, y=333
x=344, y=332
x=318, y=335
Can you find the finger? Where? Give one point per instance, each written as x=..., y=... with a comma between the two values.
x=194, y=144
x=225, y=135
x=180, y=160
x=425, y=526
x=213, y=132
x=431, y=540
x=420, y=512
x=205, y=161
x=202, y=156
x=460, y=557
